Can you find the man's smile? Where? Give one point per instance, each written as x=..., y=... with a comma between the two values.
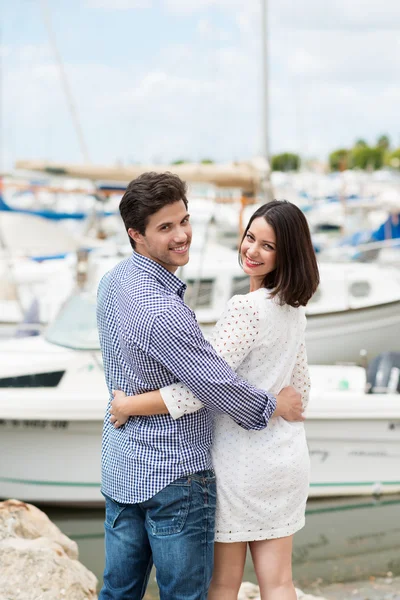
x=181, y=249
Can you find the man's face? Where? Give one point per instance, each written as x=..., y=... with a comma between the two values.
x=167, y=237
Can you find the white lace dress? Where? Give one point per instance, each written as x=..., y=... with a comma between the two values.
x=262, y=476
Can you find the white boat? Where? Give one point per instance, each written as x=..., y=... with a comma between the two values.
x=38, y=270
x=31, y=291
x=357, y=306
x=57, y=198
x=38, y=267
x=53, y=400
x=213, y=275
x=353, y=437
x=52, y=405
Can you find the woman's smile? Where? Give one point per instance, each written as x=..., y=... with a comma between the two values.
x=252, y=263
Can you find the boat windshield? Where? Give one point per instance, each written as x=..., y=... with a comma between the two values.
x=75, y=325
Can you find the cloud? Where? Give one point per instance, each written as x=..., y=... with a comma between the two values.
x=360, y=57
x=5, y=51
x=159, y=115
x=209, y=31
x=332, y=78
x=118, y=4
x=358, y=15
x=188, y=6
x=193, y=6
x=309, y=14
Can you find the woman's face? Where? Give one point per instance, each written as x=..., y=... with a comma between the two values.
x=258, y=249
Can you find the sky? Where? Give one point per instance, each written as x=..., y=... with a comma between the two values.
x=162, y=80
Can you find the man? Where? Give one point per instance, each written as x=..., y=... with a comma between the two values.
x=157, y=477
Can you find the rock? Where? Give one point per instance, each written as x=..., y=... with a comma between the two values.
x=38, y=562
x=373, y=588
x=302, y=596
x=20, y=520
x=250, y=591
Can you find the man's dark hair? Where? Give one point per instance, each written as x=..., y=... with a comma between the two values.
x=296, y=277
x=146, y=195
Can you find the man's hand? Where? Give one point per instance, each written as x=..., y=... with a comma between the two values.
x=288, y=405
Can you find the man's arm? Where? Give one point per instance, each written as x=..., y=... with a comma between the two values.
x=178, y=344
x=177, y=399
x=233, y=338
x=162, y=402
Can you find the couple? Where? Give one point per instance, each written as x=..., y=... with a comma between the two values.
x=182, y=410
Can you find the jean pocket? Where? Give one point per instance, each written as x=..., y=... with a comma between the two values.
x=185, y=480
x=113, y=511
x=167, y=511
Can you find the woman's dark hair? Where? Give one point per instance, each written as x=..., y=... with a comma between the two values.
x=146, y=195
x=296, y=276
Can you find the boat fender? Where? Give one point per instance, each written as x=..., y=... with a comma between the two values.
x=383, y=374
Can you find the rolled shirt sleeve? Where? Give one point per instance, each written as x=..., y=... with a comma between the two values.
x=205, y=374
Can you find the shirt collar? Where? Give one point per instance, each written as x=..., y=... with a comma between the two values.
x=168, y=279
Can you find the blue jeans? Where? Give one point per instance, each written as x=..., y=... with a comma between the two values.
x=174, y=530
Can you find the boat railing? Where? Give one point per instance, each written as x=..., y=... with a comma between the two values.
x=19, y=330
x=367, y=252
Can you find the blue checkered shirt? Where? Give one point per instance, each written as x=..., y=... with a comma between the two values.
x=150, y=339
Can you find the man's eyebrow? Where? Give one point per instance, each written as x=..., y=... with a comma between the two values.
x=170, y=222
x=164, y=223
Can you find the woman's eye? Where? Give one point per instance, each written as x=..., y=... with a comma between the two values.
x=248, y=236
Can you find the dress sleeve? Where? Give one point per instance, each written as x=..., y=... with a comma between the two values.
x=232, y=337
x=300, y=376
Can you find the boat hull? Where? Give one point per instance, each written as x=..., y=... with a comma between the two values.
x=51, y=462
x=340, y=336
x=351, y=457
x=58, y=462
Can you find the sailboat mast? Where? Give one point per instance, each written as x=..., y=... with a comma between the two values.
x=1, y=104
x=264, y=79
x=64, y=81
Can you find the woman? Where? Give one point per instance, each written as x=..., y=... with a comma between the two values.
x=262, y=476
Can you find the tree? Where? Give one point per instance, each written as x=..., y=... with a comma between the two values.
x=393, y=159
x=285, y=162
x=179, y=162
x=339, y=160
x=383, y=142
x=207, y=161
x=360, y=143
x=367, y=158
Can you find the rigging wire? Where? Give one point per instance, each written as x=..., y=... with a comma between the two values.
x=64, y=80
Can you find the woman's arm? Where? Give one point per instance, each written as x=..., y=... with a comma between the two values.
x=301, y=376
x=123, y=406
x=233, y=337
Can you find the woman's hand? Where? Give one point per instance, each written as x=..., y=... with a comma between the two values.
x=120, y=409
x=142, y=405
